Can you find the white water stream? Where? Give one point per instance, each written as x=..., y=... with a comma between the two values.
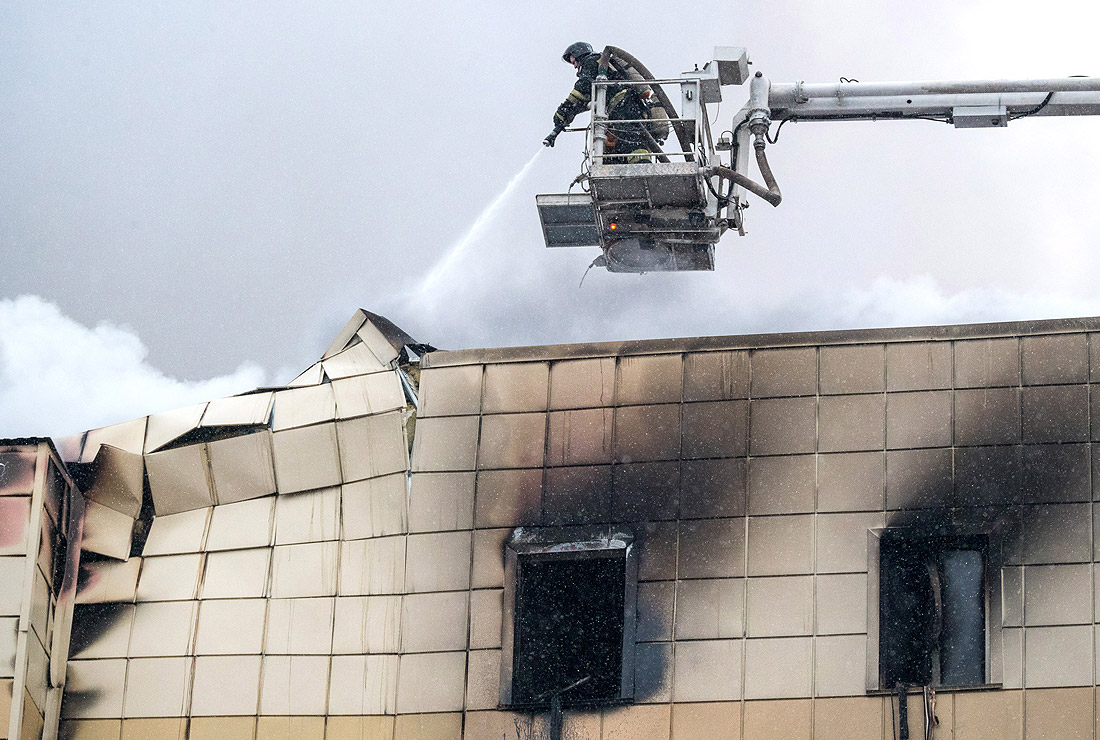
x=475, y=231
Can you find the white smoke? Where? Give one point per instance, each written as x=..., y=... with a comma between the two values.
x=58, y=376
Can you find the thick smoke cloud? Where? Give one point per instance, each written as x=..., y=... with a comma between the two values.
x=59, y=377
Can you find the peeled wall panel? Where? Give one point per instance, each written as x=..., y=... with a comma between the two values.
x=368, y=394
x=178, y=479
x=242, y=467
x=371, y=446
x=245, y=410
x=306, y=458
x=303, y=406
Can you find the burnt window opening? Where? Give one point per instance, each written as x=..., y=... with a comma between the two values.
x=570, y=633
x=932, y=609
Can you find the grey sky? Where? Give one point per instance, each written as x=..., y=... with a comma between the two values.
x=231, y=180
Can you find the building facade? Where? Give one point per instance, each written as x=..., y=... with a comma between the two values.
x=747, y=537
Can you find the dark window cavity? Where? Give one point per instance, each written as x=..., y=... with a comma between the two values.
x=932, y=610
x=570, y=633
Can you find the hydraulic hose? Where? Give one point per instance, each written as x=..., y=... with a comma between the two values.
x=770, y=193
x=631, y=60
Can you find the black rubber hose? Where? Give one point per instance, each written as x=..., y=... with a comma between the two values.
x=770, y=193
x=677, y=125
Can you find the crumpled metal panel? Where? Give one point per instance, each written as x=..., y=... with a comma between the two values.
x=301, y=407
x=106, y=580
x=106, y=531
x=304, y=570
x=94, y=689
x=379, y=344
x=15, y=521
x=177, y=534
x=242, y=467
x=17, y=471
x=128, y=436
x=236, y=574
x=169, y=578
x=178, y=479
x=299, y=626
x=372, y=446
x=246, y=410
x=368, y=394
x=241, y=526
x=171, y=425
x=118, y=480
x=313, y=375
x=375, y=507
x=306, y=458
x=69, y=446
x=308, y=517
x=355, y=360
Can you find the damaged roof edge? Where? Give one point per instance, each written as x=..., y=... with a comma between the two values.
x=443, y=358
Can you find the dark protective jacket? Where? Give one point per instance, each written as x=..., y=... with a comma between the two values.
x=623, y=103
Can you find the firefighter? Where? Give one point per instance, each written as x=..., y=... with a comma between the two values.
x=626, y=140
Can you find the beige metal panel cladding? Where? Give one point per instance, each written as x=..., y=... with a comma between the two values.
x=784, y=372
x=431, y=682
x=168, y=426
x=230, y=627
x=577, y=495
x=783, y=426
x=15, y=522
x=17, y=471
x=371, y=446
x=779, y=606
x=645, y=491
x=177, y=533
x=715, y=429
x=169, y=578
x=374, y=566
x=157, y=687
x=226, y=685
x=778, y=668
x=918, y=366
x=366, y=624
x=307, y=517
x=304, y=570
x=236, y=574
x=716, y=376
x=702, y=671
x=434, y=622
x=839, y=664
x=368, y=394
x=380, y=345
x=852, y=369
x=299, y=626
x=782, y=485
x=249, y=409
x=780, y=545
x=452, y=391
x=128, y=436
x=644, y=433
x=374, y=508
x=1054, y=359
x=512, y=441
x=986, y=363
x=163, y=628
x=94, y=689
x=363, y=684
x=306, y=458
x=294, y=685
x=507, y=498
x=243, y=467
x=441, y=501
x=650, y=379
x=709, y=609
x=300, y=407
x=445, y=444
x=9, y=632
x=851, y=423
x=578, y=384
x=580, y=437
x=241, y=525
x=515, y=387
x=437, y=562
x=486, y=613
x=178, y=479
x=313, y=375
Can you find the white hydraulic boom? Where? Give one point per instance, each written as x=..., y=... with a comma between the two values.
x=666, y=214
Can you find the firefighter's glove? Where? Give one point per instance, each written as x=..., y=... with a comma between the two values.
x=549, y=140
